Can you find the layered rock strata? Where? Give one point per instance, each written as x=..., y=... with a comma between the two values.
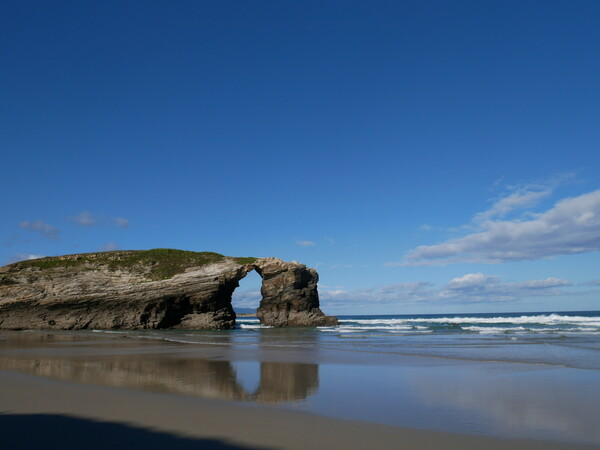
x=289, y=295
x=152, y=289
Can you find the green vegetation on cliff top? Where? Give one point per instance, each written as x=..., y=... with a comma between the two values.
x=158, y=263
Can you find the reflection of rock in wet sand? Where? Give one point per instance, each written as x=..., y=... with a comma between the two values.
x=195, y=377
x=279, y=382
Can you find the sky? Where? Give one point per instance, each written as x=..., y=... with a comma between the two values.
x=424, y=157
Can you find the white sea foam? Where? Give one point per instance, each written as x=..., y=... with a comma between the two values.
x=550, y=319
x=397, y=329
x=524, y=324
x=108, y=332
x=496, y=330
x=410, y=331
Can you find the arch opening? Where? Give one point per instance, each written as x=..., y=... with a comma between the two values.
x=246, y=298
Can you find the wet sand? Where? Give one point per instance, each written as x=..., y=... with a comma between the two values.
x=55, y=414
x=61, y=390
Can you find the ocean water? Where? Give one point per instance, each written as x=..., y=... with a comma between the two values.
x=569, y=339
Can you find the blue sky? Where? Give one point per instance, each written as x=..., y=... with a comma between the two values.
x=434, y=156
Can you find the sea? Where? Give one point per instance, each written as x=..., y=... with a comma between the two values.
x=562, y=338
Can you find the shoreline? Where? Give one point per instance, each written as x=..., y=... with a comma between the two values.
x=191, y=421
x=244, y=386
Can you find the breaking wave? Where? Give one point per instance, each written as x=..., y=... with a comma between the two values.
x=534, y=323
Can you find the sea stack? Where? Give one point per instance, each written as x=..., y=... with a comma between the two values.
x=152, y=289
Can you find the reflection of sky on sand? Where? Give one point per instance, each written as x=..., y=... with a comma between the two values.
x=559, y=402
x=488, y=398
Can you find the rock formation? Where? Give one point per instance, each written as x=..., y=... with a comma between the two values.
x=159, y=288
x=289, y=295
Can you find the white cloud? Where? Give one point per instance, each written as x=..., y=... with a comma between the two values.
x=571, y=226
x=246, y=299
x=86, y=219
x=23, y=257
x=470, y=281
x=306, y=243
x=109, y=247
x=543, y=284
x=392, y=293
x=470, y=288
x=480, y=288
x=41, y=227
x=522, y=198
x=122, y=222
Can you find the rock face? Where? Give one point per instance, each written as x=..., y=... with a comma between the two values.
x=158, y=288
x=289, y=295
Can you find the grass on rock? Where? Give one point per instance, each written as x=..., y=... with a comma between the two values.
x=157, y=264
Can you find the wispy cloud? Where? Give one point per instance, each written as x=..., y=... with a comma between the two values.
x=306, y=243
x=86, y=219
x=391, y=293
x=570, y=227
x=109, y=247
x=23, y=257
x=41, y=227
x=122, y=222
x=470, y=288
x=523, y=197
x=480, y=287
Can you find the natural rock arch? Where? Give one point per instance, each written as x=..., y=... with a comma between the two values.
x=138, y=289
x=289, y=294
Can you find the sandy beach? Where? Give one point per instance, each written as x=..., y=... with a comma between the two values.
x=68, y=415
x=94, y=391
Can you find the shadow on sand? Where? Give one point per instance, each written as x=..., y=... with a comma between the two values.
x=50, y=431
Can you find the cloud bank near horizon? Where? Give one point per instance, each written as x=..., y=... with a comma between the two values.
x=467, y=289
x=571, y=226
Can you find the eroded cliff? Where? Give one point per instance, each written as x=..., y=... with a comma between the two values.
x=159, y=288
